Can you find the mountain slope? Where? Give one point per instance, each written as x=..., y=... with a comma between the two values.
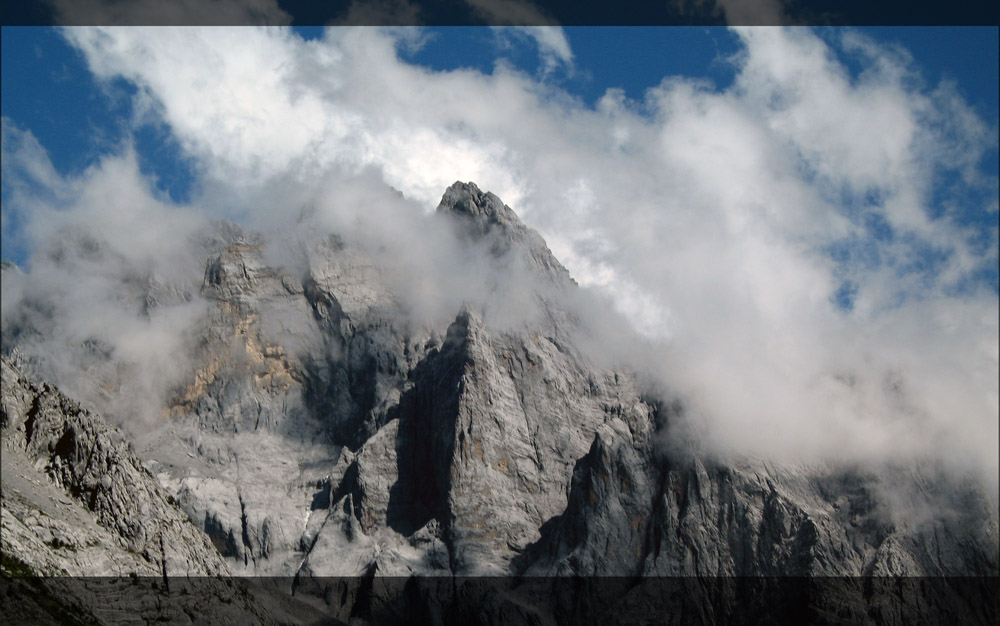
x=78, y=505
x=324, y=434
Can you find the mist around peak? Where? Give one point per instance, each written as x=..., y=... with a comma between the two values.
x=772, y=255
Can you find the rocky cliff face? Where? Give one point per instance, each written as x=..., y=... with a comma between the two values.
x=60, y=457
x=325, y=437
x=78, y=503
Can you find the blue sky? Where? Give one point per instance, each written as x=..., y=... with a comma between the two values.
x=78, y=119
x=776, y=211
x=48, y=90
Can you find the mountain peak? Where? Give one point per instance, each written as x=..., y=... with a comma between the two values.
x=467, y=200
x=312, y=428
x=484, y=217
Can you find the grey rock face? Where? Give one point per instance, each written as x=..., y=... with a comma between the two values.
x=78, y=505
x=88, y=471
x=486, y=440
x=481, y=216
x=325, y=437
x=701, y=518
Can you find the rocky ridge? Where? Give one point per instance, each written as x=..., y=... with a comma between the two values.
x=78, y=505
x=324, y=438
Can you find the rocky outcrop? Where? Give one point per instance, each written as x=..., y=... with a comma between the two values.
x=88, y=471
x=383, y=468
x=484, y=218
x=78, y=505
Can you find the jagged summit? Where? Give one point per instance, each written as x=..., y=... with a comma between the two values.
x=466, y=199
x=485, y=218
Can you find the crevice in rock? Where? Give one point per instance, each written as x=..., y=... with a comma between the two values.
x=248, y=550
x=31, y=417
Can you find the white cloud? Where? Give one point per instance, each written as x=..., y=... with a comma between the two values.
x=554, y=51
x=101, y=240
x=708, y=215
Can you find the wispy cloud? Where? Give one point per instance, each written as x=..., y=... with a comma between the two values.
x=554, y=51
x=725, y=224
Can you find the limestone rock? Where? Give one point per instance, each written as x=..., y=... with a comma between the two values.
x=77, y=501
x=383, y=468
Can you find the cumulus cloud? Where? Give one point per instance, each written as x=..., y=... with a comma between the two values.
x=106, y=254
x=554, y=51
x=779, y=243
